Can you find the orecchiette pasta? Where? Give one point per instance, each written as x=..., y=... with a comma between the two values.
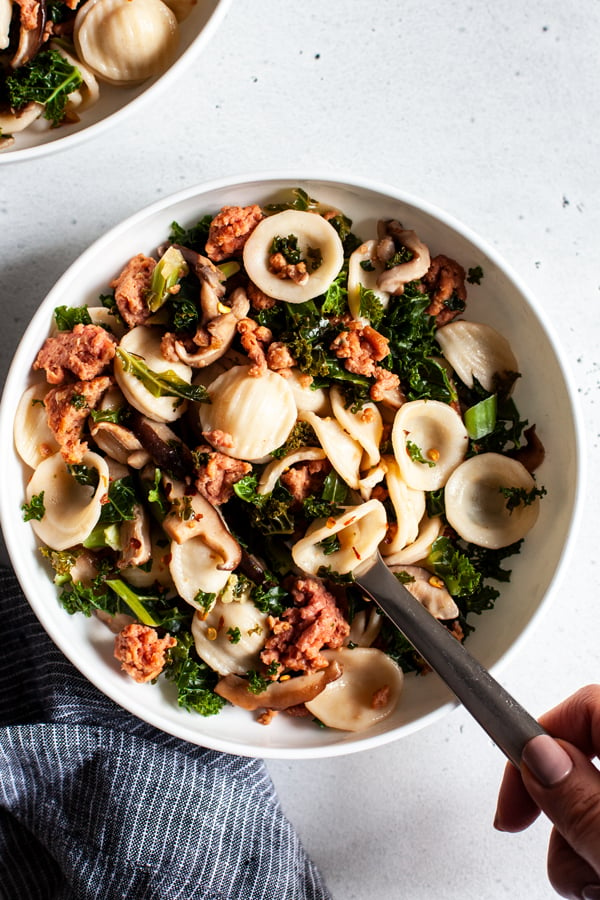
x=356, y=535
x=319, y=247
x=280, y=419
x=429, y=440
x=253, y=415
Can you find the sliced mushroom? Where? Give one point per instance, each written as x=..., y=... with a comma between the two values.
x=11, y=122
x=191, y=515
x=218, y=326
x=279, y=694
x=393, y=280
x=31, y=32
x=5, y=20
x=135, y=539
x=164, y=447
x=119, y=442
x=430, y=591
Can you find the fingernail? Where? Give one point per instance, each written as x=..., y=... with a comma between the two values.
x=547, y=760
x=591, y=892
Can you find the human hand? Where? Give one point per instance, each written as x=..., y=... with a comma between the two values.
x=558, y=778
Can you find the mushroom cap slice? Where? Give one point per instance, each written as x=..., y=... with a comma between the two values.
x=279, y=694
x=429, y=440
x=313, y=233
x=367, y=691
x=476, y=352
x=257, y=413
x=476, y=507
x=125, y=41
x=71, y=509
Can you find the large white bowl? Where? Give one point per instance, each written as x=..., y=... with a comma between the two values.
x=543, y=395
x=117, y=102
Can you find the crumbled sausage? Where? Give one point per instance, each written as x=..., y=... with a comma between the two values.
x=131, y=288
x=85, y=352
x=296, y=272
x=254, y=339
x=445, y=282
x=279, y=357
x=230, y=229
x=218, y=438
x=361, y=347
x=258, y=299
x=313, y=623
x=67, y=408
x=217, y=474
x=386, y=387
x=141, y=651
x=306, y=478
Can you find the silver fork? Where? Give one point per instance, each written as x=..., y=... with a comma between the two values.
x=500, y=715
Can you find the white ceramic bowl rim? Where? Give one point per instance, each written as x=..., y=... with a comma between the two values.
x=189, y=729
x=147, y=92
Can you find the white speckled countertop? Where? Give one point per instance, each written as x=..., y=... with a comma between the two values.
x=491, y=112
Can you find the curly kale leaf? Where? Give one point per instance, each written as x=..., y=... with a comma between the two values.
x=194, y=237
x=48, y=79
x=194, y=679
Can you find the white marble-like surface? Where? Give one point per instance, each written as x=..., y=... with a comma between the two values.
x=490, y=111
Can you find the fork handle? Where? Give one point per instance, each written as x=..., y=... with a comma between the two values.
x=508, y=724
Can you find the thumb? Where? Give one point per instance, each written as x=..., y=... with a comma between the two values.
x=566, y=786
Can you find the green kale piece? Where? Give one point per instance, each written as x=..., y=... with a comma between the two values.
x=121, y=500
x=288, y=247
x=48, y=79
x=269, y=597
x=521, y=496
x=161, y=384
x=67, y=317
x=370, y=306
x=257, y=682
x=301, y=201
x=269, y=513
x=335, y=298
x=194, y=679
x=35, y=509
x=474, y=275
x=194, y=237
x=301, y=435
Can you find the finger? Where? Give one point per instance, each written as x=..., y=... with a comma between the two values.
x=566, y=786
x=516, y=809
x=568, y=873
x=577, y=720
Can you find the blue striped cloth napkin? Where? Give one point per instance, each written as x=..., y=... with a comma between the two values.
x=95, y=803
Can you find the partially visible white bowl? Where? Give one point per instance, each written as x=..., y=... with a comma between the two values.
x=117, y=102
x=544, y=395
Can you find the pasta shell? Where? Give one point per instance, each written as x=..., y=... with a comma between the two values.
x=34, y=440
x=343, y=452
x=212, y=637
x=194, y=567
x=429, y=530
x=365, y=626
x=434, y=432
x=307, y=398
x=313, y=233
x=256, y=413
x=365, y=425
x=430, y=591
x=366, y=693
x=409, y=507
x=275, y=470
x=125, y=41
x=367, y=277
x=476, y=351
x=476, y=507
x=71, y=509
x=144, y=341
x=359, y=530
